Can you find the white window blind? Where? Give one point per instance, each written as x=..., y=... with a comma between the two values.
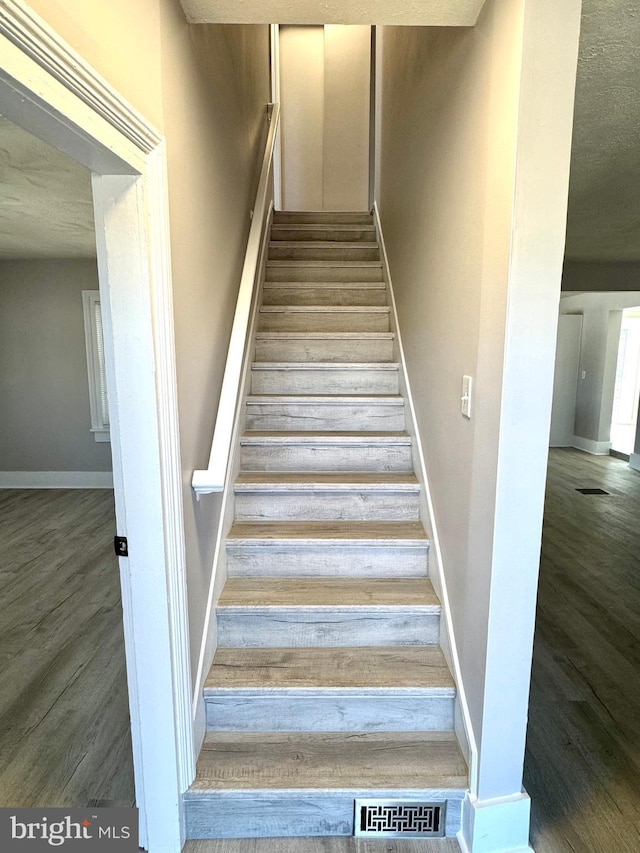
x=94, y=340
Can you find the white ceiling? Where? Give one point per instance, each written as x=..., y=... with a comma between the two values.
x=46, y=210
x=434, y=13
x=45, y=198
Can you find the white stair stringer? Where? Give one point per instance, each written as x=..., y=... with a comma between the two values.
x=328, y=683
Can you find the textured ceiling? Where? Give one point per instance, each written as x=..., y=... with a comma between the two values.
x=604, y=192
x=45, y=198
x=46, y=210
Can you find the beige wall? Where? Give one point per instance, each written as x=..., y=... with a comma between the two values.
x=206, y=87
x=46, y=420
x=215, y=91
x=324, y=74
x=474, y=163
x=120, y=38
x=445, y=201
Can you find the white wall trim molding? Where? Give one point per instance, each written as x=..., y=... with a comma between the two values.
x=56, y=480
x=171, y=466
x=495, y=826
x=49, y=90
x=22, y=26
x=595, y=448
x=634, y=461
x=463, y=725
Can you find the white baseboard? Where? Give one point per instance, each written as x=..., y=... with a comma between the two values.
x=634, y=461
x=496, y=826
x=56, y=480
x=596, y=448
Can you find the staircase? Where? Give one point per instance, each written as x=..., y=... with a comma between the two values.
x=328, y=684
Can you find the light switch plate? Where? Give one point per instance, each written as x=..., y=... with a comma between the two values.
x=465, y=400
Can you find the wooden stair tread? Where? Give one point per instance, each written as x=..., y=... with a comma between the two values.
x=326, y=365
x=331, y=399
x=392, y=669
x=297, y=262
x=324, y=309
x=344, y=437
x=326, y=532
x=318, y=217
x=328, y=593
x=329, y=285
x=260, y=335
x=319, y=481
x=330, y=760
x=321, y=244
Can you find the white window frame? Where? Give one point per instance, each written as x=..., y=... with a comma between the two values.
x=94, y=341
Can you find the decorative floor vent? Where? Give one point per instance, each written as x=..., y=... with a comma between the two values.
x=399, y=819
x=591, y=491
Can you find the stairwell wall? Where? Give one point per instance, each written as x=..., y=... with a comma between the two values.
x=460, y=144
x=206, y=88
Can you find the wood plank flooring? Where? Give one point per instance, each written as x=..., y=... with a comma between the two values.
x=322, y=845
x=64, y=719
x=582, y=766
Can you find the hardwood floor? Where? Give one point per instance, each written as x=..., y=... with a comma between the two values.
x=582, y=766
x=323, y=845
x=64, y=719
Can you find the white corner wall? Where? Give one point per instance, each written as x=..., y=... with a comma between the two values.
x=473, y=180
x=601, y=317
x=325, y=87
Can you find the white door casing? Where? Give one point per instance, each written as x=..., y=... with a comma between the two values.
x=48, y=89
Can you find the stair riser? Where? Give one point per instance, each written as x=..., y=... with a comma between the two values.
x=319, y=713
x=326, y=458
x=331, y=350
x=324, y=233
x=283, y=252
x=324, y=296
x=280, y=271
x=336, y=561
x=327, y=506
x=317, y=321
x=217, y=815
x=340, y=627
x=327, y=217
x=325, y=417
x=318, y=381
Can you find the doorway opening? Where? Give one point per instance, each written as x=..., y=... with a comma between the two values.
x=627, y=385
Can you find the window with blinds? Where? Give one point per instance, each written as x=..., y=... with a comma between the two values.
x=98, y=399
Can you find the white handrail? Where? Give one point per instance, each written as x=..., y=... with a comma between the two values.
x=212, y=480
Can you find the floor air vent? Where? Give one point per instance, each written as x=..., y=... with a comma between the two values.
x=592, y=491
x=399, y=819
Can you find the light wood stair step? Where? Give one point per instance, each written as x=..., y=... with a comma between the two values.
x=255, y=612
x=325, y=217
x=272, y=377
x=325, y=412
x=307, y=232
x=292, y=250
x=324, y=293
x=278, y=784
x=325, y=451
x=373, y=688
x=390, y=549
x=325, y=346
x=331, y=318
x=313, y=496
x=324, y=270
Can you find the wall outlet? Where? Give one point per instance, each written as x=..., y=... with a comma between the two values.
x=465, y=400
